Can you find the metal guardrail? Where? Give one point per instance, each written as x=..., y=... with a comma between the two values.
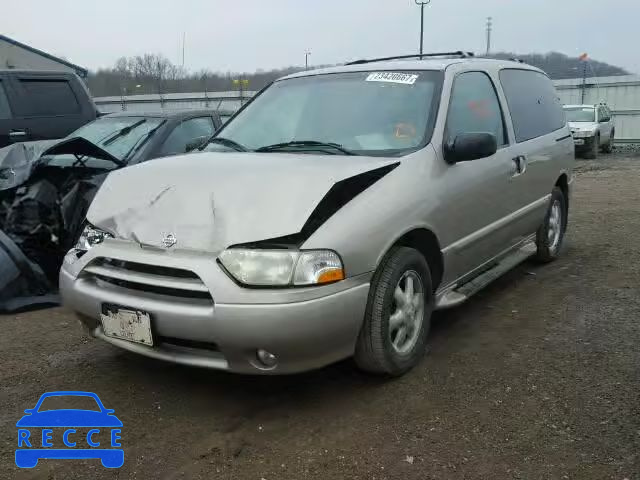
x=621, y=93
x=229, y=100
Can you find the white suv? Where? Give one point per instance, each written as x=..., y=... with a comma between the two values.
x=592, y=128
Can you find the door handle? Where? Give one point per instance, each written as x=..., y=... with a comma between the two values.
x=520, y=165
x=17, y=134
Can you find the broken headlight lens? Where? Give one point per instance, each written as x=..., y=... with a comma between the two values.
x=91, y=236
x=280, y=268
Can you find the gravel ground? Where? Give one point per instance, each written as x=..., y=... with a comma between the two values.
x=537, y=377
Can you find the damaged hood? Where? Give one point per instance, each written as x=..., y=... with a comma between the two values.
x=210, y=201
x=82, y=146
x=17, y=161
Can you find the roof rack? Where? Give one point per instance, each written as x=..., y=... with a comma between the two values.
x=458, y=54
x=519, y=60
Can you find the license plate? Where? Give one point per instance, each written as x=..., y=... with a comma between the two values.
x=578, y=141
x=127, y=324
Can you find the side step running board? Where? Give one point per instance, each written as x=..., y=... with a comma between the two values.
x=460, y=294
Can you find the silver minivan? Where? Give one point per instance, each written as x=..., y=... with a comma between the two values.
x=329, y=218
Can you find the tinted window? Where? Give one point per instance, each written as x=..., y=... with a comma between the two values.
x=5, y=111
x=186, y=132
x=533, y=102
x=474, y=107
x=49, y=97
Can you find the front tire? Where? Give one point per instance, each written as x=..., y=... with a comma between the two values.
x=592, y=153
x=608, y=148
x=397, y=320
x=550, y=236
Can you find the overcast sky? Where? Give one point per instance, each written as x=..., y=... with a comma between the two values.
x=244, y=35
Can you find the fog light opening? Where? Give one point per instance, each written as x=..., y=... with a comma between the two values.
x=266, y=359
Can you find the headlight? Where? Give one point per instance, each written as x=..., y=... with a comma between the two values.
x=91, y=236
x=282, y=267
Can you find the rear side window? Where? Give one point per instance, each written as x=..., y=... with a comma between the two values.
x=49, y=97
x=474, y=107
x=5, y=111
x=533, y=102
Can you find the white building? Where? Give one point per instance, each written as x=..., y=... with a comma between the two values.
x=14, y=54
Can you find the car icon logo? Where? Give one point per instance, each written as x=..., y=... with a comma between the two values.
x=69, y=433
x=169, y=240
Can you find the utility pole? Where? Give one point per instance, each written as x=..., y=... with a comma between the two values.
x=184, y=38
x=306, y=59
x=489, y=29
x=422, y=4
x=584, y=80
x=584, y=58
x=241, y=83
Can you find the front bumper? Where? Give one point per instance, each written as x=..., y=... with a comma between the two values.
x=584, y=144
x=306, y=328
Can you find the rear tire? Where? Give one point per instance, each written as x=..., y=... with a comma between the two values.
x=550, y=236
x=383, y=346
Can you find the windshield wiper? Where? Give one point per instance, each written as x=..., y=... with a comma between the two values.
x=227, y=142
x=327, y=147
x=124, y=131
x=141, y=142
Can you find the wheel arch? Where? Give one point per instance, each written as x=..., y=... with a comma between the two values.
x=426, y=242
x=563, y=184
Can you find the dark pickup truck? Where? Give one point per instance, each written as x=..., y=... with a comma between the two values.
x=37, y=105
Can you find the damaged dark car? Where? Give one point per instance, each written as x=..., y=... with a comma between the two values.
x=47, y=186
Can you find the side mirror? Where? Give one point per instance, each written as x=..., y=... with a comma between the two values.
x=196, y=143
x=29, y=410
x=470, y=146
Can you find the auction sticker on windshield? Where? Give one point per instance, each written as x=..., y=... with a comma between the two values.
x=393, y=77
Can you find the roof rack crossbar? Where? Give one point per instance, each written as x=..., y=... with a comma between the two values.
x=458, y=54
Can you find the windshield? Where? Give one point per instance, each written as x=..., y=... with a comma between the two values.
x=580, y=114
x=106, y=133
x=369, y=113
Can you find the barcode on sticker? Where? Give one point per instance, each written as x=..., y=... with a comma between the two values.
x=393, y=77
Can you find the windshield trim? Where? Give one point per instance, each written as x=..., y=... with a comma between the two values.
x=397, y=152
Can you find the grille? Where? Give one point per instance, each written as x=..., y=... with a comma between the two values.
x=162, y=280
x=191, y=344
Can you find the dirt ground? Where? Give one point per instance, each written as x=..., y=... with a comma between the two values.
x=537, y=377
